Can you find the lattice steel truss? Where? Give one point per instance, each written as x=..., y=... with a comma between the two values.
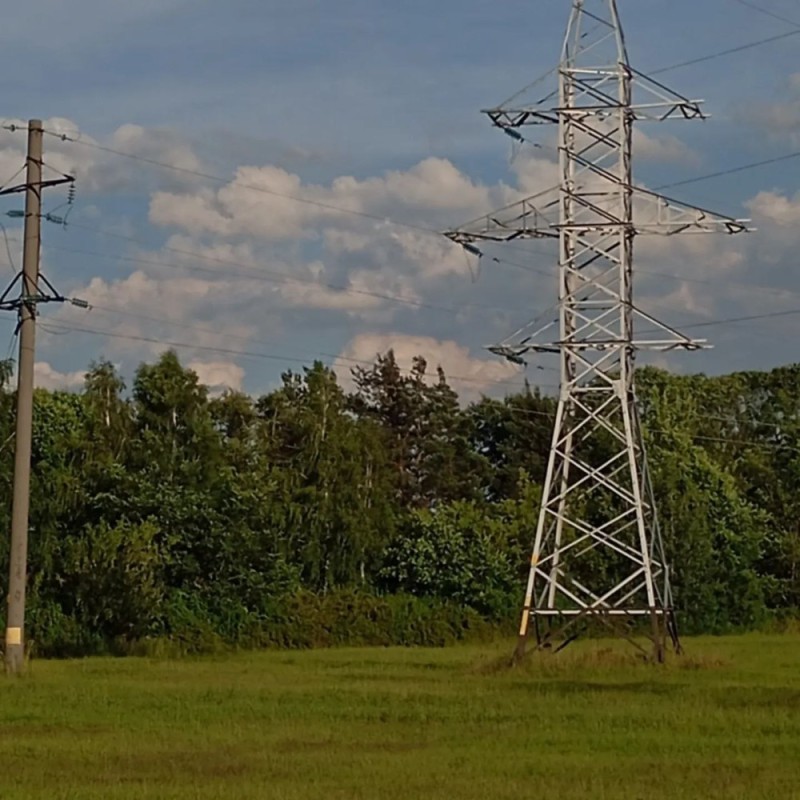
x=598, y=552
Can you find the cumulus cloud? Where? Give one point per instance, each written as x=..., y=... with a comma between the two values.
x=776, y=208
x=70, y=151
x=665, y=148
x=533, y=174
x=46, y=377
x=773, y=249
x=324, y=258
x=666, y=304
x=247, y=260
x=218, y=375
x=364, y=292
x=469, y=374
x=778, y=118
x=270, y=203
x=396, y=250
x=728, y=276
x=165, y=146
x=140, y=308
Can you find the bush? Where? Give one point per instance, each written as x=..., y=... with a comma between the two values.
x=351, y=618
x=458, y=554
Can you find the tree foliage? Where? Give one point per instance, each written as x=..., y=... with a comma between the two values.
x=390, y=513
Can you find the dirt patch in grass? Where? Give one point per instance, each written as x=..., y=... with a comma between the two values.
x=545, y=663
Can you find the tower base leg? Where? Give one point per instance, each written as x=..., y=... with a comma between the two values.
x=556, y=638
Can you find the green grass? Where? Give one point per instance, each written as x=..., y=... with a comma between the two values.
x=381, y=724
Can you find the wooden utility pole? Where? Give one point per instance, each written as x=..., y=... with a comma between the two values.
x=18, y=555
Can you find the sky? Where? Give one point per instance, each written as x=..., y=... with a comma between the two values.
x=371, y=107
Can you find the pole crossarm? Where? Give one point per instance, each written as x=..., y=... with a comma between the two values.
x=598, y=552
x=23, y=187
x=51, y=295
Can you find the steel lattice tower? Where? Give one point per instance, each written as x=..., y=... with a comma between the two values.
x=598, y=552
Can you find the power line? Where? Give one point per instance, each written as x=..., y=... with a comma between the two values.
x=767, y=12
x=250, y=272
x=230, y=351
x=59, y=327
x=700, y=437
x=385, y=219
x=63, y=327
x=257, y=274
x=731, y=171
x=747, y=286
x=749, y=318
x=248, y=186
x=330, y=206
x=698, y=60
x=358, y=213
x=730, y=51
x=66, y=328
x=710, y=323
x=213, y=331
x=278, y=276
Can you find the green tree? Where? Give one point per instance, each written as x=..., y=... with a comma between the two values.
x=332, y=478
x=513, y=434
x=428, y=438
x=713, y=534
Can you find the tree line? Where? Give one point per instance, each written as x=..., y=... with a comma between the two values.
x=164, y=517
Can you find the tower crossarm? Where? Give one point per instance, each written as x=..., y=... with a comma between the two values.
x=594, y=94
x=591, y=334
x=520, y=220
x=658, y=215
x=653, y=214
x=656, y=102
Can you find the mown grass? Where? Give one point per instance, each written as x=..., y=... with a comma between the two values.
x=390, y=723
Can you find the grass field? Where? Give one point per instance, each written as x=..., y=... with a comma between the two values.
x=374, y=723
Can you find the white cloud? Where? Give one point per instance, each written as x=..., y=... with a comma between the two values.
x=465, y=372
x=533, y=174
x=181, y=309
x=45, y=377
x=218, y=375
x=772, y=250
x=776, y=209
x=779, y=119
x=365, y=291
x=665, y=148
x=395, y=250
x=685, y=298
x=96, y=170
x=270, y=203
x=268, y=263
x=159, y=145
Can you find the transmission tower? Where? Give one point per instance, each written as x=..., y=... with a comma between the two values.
x=598, y=554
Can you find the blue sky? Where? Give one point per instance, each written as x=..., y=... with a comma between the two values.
x=372, y=105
